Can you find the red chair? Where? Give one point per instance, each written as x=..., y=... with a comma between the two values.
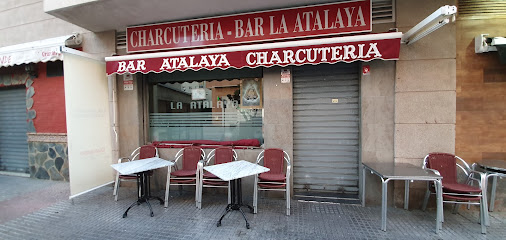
x=446, y=165
x=207, y=179
x=143, y=152
x=188, y=175
x=277, y=179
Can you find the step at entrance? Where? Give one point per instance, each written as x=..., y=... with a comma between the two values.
x=342, y=198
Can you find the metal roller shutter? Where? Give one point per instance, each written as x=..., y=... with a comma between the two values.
x=13, y=128
x=326, y=134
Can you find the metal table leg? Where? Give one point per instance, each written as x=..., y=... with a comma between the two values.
x=439, y=205
x=236, y=202
x=406, y=194
x=384, y=197
x=492, y=193
x=363, y=186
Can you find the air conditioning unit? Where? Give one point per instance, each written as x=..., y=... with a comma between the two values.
x=483, y=44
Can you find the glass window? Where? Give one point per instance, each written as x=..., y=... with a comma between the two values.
x=225, y=110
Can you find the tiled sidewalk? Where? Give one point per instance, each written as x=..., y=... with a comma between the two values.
x=97, y=216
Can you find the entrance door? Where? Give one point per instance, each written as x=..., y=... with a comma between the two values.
x=326, y=128
x=13, y=127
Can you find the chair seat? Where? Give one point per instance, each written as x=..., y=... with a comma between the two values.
x=272, y=185
x=460, y=188
x=209, y=175
x=461, y=198
x=183, y=173
x=128, y=176
x=215, y=183
x=175, y=180
x=272, y=177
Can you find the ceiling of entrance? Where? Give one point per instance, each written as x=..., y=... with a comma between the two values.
x=103, y=15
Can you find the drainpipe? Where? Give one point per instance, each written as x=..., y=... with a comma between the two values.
x=113, y=113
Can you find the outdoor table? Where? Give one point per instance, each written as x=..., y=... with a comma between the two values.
x=406, y=172
x=142, y=168
x=494, y=169
x=234, y=171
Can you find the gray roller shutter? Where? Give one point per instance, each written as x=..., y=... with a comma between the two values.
x=326, y=134
x=13, y=128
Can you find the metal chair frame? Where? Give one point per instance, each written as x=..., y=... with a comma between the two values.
x=133, y=177
x=286, y=189
x=470, y=174
x=195, y=182
x=202, y=180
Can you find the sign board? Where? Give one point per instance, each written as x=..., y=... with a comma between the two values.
x=198, y=94
x=285, y=76
x=306, y=21
x=128, y=82
x=384, y=46
x=366, y=70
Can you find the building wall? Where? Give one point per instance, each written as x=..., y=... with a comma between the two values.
x=47, y=142
x=377, y=121
x=48, y=96
x=377, y=118
x=24, y=21
x=481, y=95
x=130, y=116
x=425, y=91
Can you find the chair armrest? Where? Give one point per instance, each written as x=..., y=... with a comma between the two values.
x=175, y=164
x=480, y=180
x=478, y=172
x=120, y=160
x=200, y=166
x=433, y=170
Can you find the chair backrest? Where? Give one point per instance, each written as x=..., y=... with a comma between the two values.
x=191, y=156
x=445, y=164
x=274, y=159
x=224, y=155
x=148, y=151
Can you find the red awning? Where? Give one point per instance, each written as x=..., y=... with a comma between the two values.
x=314, y=51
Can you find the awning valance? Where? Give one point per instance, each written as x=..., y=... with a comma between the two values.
x=314, y=51
x=38, y=51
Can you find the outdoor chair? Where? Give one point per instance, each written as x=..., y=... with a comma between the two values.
x=446, y=165
x=142, y=152
x=207, y=179
x=277, y=179
x=188, y=174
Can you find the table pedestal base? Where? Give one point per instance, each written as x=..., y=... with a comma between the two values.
x=236, y=202
x=143, y=184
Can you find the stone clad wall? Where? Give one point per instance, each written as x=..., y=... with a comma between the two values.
x=48, y=161
x=425, y=93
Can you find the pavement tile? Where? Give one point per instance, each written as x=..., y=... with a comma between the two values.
x=97, y=216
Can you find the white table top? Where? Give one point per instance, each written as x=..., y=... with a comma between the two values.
x=236, y=169
x=141, y=165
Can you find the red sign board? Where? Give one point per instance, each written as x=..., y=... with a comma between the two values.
x=386, y=49
x=317, y=20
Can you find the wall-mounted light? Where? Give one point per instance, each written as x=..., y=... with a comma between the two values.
x=437, y=19
x=31, y=69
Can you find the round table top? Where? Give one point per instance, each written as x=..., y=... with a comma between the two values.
x=493, y=165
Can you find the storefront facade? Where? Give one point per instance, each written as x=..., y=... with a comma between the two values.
x=314, y=115
x=395, y=110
